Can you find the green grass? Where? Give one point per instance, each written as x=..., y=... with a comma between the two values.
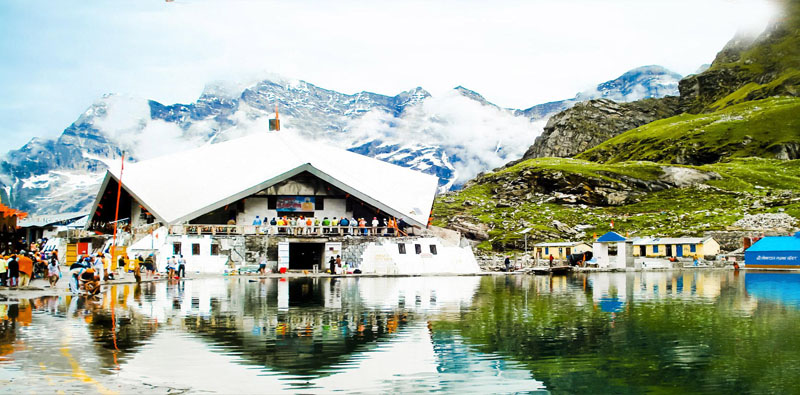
x=755, y=128
x=640, y=170
x=673, y=212
x=754, y=90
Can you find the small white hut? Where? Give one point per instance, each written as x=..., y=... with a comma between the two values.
x=612, y=251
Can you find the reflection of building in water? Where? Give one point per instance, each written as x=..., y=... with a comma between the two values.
x=773, y=287
x=624, y=287
x=418, y=293
x=337, y=316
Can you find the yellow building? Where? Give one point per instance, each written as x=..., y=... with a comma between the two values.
x=560, y=250
x=676, y=247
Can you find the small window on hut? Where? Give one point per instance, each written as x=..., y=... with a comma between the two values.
x=612, y=250
x=418, y=248
x=215, y=249
x=401, y=248
x=433, y=249
x=195, y=249
x=176, y=248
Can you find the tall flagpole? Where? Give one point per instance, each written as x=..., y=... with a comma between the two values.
x=116, y=212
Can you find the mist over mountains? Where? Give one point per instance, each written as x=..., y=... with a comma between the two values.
x=453, y=136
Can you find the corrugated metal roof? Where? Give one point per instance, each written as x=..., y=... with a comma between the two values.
x=179, y=187
x=670, y=240
x=560, y=244
x=776, y=243
x=44, y=220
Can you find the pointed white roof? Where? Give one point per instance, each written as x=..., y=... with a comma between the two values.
x=177, y=188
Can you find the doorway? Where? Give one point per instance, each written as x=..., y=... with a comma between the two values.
x=679, y=249
x=669, y=249
x=303, y=256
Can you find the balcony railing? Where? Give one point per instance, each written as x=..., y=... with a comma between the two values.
x=269, y=230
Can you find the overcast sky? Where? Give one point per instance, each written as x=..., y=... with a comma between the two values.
x=57, y=57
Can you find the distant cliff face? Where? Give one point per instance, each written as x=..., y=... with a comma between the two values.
x=588, y=124
x=749, y=68
x=640, y=83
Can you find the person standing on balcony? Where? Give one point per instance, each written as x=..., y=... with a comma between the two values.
x=375, y=224
x=343, y=225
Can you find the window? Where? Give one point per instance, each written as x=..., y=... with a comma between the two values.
x=195, y=249
x=692, y=247
x=418, y=248
x=655, y=249
x=176, y=248
x=547, y=250
x=612, y=250
x=433, y=249
x=401, y=248
x=215, y=249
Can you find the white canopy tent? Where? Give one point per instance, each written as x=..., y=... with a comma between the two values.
x=180, y=187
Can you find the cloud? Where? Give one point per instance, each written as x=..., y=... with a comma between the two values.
x=126, y=121
x=474, y=137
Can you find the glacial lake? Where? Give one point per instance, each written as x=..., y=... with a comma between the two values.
x=701, y=331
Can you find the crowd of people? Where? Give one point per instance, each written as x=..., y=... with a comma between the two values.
x=326, y=226
x=19, y=266
x=87, y=271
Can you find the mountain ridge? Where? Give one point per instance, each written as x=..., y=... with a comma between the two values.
x=454, y=136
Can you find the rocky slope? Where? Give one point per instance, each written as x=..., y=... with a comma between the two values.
x=750, y=68
x=588, y=124
x=570, y=199
x=768, y=128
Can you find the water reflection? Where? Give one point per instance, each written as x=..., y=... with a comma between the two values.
x=602, y=332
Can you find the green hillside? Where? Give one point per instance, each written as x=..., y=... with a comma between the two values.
x=768, y=128
x=510, y=200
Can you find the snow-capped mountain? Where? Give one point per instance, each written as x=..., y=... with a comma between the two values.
x=454, y=136
x=640, y=83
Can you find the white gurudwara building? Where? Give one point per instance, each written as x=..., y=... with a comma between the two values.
x=219, y=206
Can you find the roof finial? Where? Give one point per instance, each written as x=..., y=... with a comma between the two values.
x=275, y=124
